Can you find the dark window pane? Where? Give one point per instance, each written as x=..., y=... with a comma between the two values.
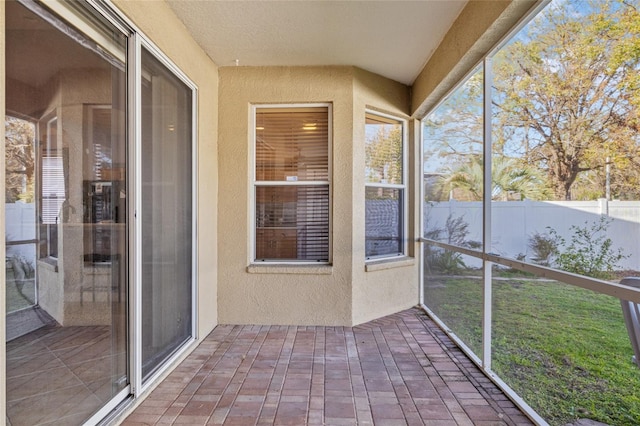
x=167, y=224
x=383, y=221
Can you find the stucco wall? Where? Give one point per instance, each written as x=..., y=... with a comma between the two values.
x=154, y=18
x=479, y=27
x=342, y=294
x=394, y=286
x=262, y=296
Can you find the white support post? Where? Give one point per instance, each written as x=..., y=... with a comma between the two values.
x=486, y=218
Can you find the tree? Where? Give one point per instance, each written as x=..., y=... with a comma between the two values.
x=383, y=153
x=566, y=87
x=453, y=132
x=19, y=160
x=566, y=97
x=510, y=178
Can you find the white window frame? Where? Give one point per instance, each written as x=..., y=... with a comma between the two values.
x=255, y=183
x=402, y=187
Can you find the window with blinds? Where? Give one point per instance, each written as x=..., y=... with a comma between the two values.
x=291, y=184
x=385, y=212
x=52, y=189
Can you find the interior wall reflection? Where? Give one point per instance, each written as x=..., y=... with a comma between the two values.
x=66, y=216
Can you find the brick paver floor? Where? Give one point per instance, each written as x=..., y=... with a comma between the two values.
x=397, y=370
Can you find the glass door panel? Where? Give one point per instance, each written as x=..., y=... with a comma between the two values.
x=67, y=351
x=167, y=224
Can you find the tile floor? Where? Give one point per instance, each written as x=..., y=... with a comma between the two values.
x=58, y=375
x=398, y=370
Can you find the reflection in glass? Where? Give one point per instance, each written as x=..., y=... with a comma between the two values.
x=453, y=292
x=384, y=191
x=167, y=226
x=66, y=323
x=20, y=223
x=53, y=190
x=383, y=150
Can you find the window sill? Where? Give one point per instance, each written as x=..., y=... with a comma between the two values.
x=291, y=269
x=49, y=263
x=389, y=263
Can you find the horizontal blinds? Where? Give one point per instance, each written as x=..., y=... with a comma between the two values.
x=292, y=223
x=292, y=144
x=53, y=190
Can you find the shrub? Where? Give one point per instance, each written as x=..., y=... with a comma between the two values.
x=544, y=248
x=454, y=232
x=590, y=252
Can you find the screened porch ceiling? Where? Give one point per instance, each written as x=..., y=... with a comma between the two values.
x=391, y=38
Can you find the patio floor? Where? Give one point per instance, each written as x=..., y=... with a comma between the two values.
x=397, y=370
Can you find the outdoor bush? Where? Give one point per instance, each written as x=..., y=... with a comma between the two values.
x=454, y=232
x=447, y=262
x=544, y=248
x=590, y=252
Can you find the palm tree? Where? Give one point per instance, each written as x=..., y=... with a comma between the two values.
x=510, y=178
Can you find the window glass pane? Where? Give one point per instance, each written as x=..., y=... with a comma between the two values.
x=384, y=221
x=292, y=220
x=383, y=150
x=566, y=140
x=453, y=167
x=66, y=323
x=292, y=223
x=292, y=144
x=167, y=224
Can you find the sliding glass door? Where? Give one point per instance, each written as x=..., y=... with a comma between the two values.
x=66, y=197
x=167, y=225
x=99, y=207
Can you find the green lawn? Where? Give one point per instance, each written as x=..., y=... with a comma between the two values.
x=565, y=350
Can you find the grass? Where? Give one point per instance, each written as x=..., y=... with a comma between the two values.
x=564, y=349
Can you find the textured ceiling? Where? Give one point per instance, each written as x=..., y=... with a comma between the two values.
x=391, y=38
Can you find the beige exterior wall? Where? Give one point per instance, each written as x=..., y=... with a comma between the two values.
x=479, y=27
x=154, y=18
x=391, y=285
x=266, y=295
x=340, y=294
